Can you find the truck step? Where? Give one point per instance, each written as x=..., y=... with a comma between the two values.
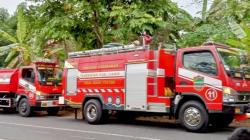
x=5, y=102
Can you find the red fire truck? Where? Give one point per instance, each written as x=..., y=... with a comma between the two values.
x=30, y=88
x=199, y=86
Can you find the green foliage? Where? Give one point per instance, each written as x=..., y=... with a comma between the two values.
x=4, y=15
x=242, y=43
x=20, y=51
x=206, y=33
x=221, y=10
x=50, y=29
x=7, y=36
x=215, y=24
x=162, y=19
x=231, y=13
x=90, y=24
x=21, y=31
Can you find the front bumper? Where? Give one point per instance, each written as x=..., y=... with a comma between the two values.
x=50, y=103
x=236, y=108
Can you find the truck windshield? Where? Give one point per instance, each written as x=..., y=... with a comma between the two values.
x=48, y=76
x=235, y=62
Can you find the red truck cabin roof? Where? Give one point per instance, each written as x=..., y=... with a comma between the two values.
x=44, y=63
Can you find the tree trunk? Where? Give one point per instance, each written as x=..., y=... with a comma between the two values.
x=97, y=31
x=66, y=48
x=204, y=10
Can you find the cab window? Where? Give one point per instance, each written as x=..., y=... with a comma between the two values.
x=28, y=75
x=200, y=61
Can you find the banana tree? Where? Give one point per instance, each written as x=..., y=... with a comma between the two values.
x=23, y=49
x=221, y=10
x=20, y=51
x=243, y=40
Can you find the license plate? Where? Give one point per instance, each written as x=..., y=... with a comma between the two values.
x=61, y=100
x=49, y=103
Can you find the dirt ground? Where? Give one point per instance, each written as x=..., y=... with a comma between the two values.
x=245, y=123
x=164, y=119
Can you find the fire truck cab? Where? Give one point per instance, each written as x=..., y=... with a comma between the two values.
x=30, y=88
x=198, y=86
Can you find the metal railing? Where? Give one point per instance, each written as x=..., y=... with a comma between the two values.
x=102, y=51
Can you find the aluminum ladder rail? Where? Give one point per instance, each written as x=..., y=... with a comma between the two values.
x=102, y=51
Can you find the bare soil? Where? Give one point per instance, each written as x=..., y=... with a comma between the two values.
x=70, y=112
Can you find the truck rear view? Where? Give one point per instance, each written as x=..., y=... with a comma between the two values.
x=8, y=88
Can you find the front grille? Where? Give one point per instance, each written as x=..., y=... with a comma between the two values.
x=244, y=97
x=53, y=97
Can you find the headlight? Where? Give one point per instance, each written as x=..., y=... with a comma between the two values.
x=38, y=92
x=229, y=94
x=39, y=95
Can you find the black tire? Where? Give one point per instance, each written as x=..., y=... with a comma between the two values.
x=190, y=111
x=221, y=120
x=93, y=112
x=9, y=110
x=24, y=108
x=53, y=111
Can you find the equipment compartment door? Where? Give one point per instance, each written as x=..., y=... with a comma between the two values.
x=71, y=81
x=136, y=86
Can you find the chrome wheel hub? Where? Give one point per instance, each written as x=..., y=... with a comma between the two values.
x=91, y=112
x=23, y=107
x=192, y=116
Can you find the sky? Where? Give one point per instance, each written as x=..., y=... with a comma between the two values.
x=10, y=5
x=187, y=5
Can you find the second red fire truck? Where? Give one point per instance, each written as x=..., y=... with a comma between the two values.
x=30, y=88
x=198, y=86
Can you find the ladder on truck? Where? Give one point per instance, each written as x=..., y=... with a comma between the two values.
x=110, y=50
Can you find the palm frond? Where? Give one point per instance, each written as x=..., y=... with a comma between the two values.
x=53, y=51
x=10, y=56
x=5, y=49
x=13, y=63
x=6, y=36
x=21, y=25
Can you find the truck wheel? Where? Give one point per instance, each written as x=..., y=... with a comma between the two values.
x=93, y=111
x=24, y=108
x=193, y=116
x=53, y=111
x=221, y=120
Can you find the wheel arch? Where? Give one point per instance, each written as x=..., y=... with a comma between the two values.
x=91, y=96
x=185, y=97
x=19, y=97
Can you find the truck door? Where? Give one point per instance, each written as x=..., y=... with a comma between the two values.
x=27, y=80
x=71, y=81
x=136, y=86
x=198, y=73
